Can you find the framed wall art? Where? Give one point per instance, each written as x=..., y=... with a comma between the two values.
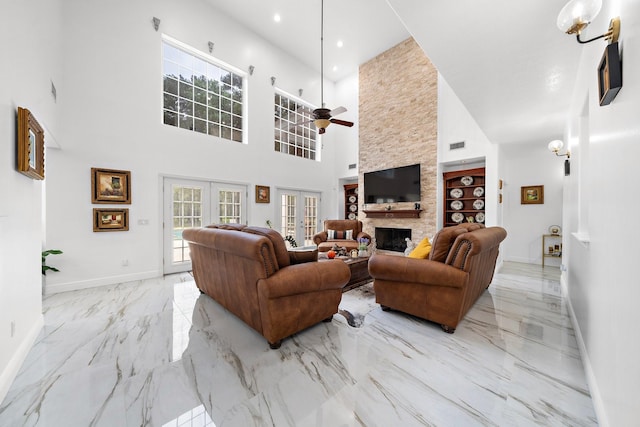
x=532, y=195
x=110, y=186
x=110, y=219
x=262, y=194
x=30, y=153
x=609, y=74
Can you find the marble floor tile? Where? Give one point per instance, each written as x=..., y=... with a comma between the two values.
x=158, y=353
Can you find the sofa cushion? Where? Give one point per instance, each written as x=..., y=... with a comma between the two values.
x=422, y=250
x=279, y=247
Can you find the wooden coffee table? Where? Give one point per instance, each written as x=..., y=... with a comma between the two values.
x=359, y=268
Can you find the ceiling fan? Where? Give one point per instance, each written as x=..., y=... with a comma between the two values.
x=323, y=117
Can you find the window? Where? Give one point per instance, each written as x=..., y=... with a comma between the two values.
x=201, y=96
x=230, y=204
x=291, y=138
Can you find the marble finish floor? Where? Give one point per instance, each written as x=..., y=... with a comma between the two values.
x=157, y=353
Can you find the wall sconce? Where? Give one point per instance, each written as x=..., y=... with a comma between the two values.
x=576, y=15
x=555, y=146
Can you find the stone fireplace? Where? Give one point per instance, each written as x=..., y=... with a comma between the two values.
x=392, y=239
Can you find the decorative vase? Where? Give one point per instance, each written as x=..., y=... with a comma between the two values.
x=362, y=253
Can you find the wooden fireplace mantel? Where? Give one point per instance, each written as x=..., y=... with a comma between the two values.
x=394, y=213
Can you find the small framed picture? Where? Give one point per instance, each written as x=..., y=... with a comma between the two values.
x=263, y=194
x=30, y=156
x=532, y=195
x=110, y=219
x=110, y=186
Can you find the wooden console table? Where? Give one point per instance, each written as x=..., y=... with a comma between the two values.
x=394, y=213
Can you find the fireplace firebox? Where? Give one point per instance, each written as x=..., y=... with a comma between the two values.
x=392, y=239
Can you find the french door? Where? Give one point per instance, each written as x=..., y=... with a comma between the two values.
x=193, y=203
x=298, y=215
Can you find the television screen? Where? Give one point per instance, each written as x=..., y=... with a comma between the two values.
x=393, y=185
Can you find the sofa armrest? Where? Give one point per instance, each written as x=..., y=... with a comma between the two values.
x=424, y=271
x=303, y=278
x=299, y=257
x=320, y=237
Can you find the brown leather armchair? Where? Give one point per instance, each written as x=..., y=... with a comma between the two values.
x=340, y=225
x=249, y=271
x=445, y=286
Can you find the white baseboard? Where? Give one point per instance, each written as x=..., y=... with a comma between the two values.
x=596, y=397
x=10, y=371
x=94, y=283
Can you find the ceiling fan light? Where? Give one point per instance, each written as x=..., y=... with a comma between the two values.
x=321, y=123
x=577, y=14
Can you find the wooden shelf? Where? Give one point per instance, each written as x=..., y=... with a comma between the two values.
x=394, y=213
x=351, y=201
x=454, y=180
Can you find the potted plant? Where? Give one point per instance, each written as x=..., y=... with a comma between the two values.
x=45, y=254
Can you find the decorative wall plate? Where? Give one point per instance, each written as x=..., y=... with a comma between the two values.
x=480, y=217
x=478, y=204
x=457, y=205
x=466, y=180
x=353, y=208
x=478, y=192
x=352, y=215
x=457, y=217
x=456, y=193
x=352, y=199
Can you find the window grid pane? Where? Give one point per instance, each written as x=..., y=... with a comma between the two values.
x=229, y=206
x=310, y=219
x=288, y=209
x=197, y=92
x=187, y=213
x=294, y=131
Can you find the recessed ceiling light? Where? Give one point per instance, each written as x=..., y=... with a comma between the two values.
x=276, y=17
x=335, y=68
x=340, y=44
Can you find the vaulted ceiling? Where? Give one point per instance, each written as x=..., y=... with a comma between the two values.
x=506, y=60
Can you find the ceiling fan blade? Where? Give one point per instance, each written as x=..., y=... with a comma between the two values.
x=337, y=111
x=304, y=122
x=342, y=122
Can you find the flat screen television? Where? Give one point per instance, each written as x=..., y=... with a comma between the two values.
x=393, y=185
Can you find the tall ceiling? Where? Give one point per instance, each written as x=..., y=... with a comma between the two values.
x=506, y=60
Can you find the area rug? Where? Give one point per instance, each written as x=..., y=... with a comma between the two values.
x=357, y=303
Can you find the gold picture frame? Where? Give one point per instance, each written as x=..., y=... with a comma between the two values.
x=110, y=186
x=263, y=194
x=110, y=219
x=30, y=156
x=532, y=195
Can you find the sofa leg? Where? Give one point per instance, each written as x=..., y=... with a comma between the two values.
x=328, y=319
x=448, y=329
x=275, y=345
x=385, y=307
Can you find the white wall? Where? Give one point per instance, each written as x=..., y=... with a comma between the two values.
x=526, y=165
x=602, y=278
x=111, y=103
x=29, y=65
x=455, y=124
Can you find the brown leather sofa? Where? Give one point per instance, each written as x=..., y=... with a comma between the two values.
x=249, y=271
x=443, y=287
x=341, y=225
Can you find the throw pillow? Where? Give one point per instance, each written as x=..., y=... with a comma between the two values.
x=348, y=234
x=331, y=234
x=422, y=250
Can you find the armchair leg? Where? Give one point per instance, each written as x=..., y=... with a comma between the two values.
x=328, y=319
x=448, y=329
x=275, y=345
x=385, y=307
